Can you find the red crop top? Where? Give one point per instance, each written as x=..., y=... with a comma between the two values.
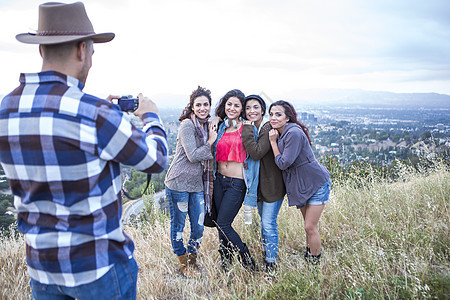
x=231, y=148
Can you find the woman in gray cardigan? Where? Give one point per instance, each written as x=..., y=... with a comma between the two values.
x=271, y=188
x=189, y=179
x=307, y=181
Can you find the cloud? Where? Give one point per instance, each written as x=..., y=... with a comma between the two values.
x=276, y=46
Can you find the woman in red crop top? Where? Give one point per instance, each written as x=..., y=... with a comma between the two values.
x=229, y=186
x=230, y=148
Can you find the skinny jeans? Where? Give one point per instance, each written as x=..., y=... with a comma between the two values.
x=229, y=195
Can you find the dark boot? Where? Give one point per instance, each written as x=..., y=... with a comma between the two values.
x=246, y=259
x=270, y=267
x=226, y=256
x=307, y=251
x=313, y=259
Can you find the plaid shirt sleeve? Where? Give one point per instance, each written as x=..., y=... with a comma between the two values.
x=120, y=141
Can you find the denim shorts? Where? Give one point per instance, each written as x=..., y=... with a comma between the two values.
x=322, y=196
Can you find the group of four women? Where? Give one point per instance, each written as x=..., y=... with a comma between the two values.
x=238, y=159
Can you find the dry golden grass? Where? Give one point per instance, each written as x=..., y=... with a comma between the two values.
x=14, y=280
x=380, y=241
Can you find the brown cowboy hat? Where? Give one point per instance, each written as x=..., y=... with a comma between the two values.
x=62, y=23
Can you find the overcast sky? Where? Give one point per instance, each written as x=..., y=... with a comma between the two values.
x=279, y=47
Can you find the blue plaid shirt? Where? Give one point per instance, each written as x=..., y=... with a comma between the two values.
x=61, y=150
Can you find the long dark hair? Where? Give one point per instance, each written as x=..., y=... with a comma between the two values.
x=290, y=113
x=220, y=109
x=188, y=111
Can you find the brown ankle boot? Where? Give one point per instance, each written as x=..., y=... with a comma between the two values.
x=192, y=261
x=183, y=265
x=186, y=270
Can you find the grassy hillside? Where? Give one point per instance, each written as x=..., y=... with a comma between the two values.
x=380, y=241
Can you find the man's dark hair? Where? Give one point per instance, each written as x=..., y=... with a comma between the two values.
x=57, y=52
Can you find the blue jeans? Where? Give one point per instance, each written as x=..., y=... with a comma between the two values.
x=117, y=283
x=269, y=228
x=228, y=196
x=181, y=204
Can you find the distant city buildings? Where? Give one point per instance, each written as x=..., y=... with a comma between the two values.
x=303, y=116
x=307, y=117
x=378, y=135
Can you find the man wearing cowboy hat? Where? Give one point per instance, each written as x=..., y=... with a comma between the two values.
x=61, y=150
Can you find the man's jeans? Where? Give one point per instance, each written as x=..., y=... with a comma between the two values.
x=269, y=228
x=229, y=195
x=117, y=283
x=181, y=204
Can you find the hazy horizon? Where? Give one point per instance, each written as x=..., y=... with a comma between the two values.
x=318, y=97
x=170, y=47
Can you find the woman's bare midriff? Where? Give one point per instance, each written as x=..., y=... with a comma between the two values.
x=231, y=169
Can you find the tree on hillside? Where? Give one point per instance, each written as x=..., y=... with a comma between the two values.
x=5, y=220
x=136, y=182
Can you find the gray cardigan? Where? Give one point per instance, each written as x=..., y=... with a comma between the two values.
x=185, y=171
x=302, y=173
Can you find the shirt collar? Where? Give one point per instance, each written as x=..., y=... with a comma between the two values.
x=50, y=77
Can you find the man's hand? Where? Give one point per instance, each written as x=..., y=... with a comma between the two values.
x=110, y=98
x=145, y=106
